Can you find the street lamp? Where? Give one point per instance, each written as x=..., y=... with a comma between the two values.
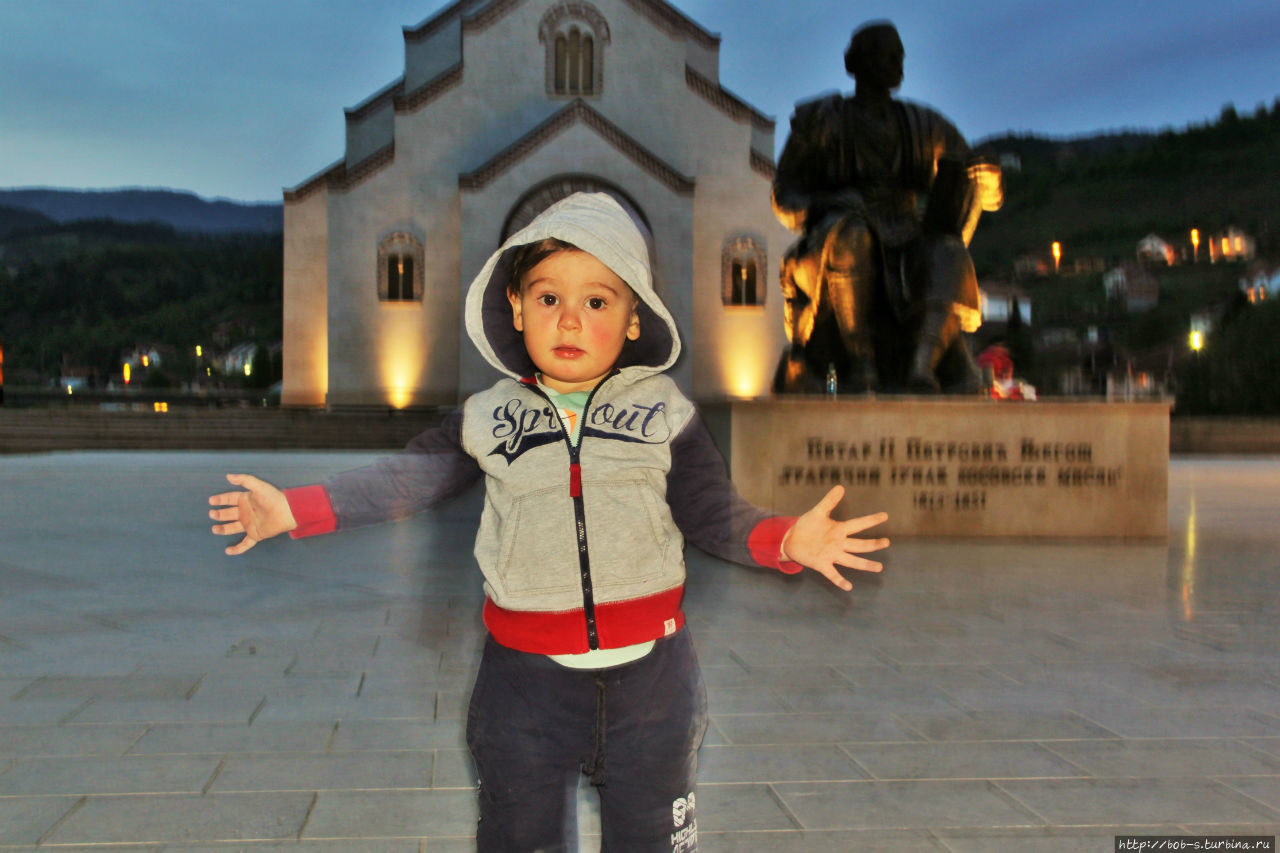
x=1197, y=340
x=1195, y=244
x=1057, y=255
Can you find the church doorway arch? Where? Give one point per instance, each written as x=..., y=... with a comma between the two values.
x=551, y=191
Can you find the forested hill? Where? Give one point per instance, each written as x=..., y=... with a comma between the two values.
x=85, y=275
x=1099, y=196
x=184, y=211
x=77, y=295
x=18, y=219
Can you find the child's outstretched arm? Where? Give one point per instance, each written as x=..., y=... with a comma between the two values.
x=259, y=512
x=820, y=542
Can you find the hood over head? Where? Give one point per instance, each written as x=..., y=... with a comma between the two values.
x=598, y=225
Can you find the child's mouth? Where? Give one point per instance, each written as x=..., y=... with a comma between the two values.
x=568, y=352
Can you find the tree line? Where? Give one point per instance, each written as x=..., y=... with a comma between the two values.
x=80, y=295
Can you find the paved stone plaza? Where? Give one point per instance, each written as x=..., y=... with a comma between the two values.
x=158, y=695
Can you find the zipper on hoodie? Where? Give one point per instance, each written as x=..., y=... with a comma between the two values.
x=579, y=508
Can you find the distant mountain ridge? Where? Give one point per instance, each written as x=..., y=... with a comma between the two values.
x=184, y=211
x=1033, y=148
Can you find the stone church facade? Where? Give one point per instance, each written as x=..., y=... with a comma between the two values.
x=506, y=106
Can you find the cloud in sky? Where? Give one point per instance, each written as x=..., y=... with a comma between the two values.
x=239, y=99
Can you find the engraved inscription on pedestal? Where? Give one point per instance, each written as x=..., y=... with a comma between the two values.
x=962, y=468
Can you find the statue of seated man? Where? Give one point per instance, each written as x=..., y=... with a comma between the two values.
x=885, y=194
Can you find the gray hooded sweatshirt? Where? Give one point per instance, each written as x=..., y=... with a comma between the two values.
x=581, y=547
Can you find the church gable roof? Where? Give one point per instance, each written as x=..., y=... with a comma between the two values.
x=478, y=14
x=339, y=178
x=726, y=101
x=399, y=98
x=406, y=102
x=575, y=113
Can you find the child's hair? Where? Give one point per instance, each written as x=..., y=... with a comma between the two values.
x=529, y=255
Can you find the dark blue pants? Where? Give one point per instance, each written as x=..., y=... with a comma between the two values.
x=534, y=726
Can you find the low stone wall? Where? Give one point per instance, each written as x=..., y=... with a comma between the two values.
x=39, y=430
x=1224, y=435
x=36, y=430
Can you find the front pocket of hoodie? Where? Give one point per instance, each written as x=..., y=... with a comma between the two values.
x=538, y=554
x=627, y=540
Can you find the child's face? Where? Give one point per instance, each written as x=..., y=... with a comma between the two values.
x=575, y=314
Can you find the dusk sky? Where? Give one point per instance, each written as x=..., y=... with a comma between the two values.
x=241, y=98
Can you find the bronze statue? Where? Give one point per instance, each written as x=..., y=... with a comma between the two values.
x=886, y=195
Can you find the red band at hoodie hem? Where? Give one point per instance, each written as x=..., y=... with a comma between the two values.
x=312, y=510
x=618, y=624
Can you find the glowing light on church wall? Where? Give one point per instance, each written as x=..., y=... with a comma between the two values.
x=745, y=365
x=399, y=396
x=401, y=358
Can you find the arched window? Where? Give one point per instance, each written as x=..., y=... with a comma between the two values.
x=575, y=35
x=742, y=272
x=575, y=70
x=400, y=268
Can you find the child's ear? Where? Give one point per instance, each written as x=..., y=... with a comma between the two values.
x=517, y=319
x=633, y=325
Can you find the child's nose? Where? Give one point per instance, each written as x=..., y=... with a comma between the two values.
x=569, y=319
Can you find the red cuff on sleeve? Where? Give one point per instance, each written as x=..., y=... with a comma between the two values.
x=765, y=544
x=312, y=510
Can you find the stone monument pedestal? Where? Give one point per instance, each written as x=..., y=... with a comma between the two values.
x=961, y=467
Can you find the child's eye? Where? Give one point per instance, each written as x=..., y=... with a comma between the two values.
x=547, y=299
x=596, y=303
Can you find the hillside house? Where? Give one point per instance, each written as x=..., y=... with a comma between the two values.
x=1135, y=285
x=996, y=302
x=1153, y=249
x=1232, y=245
x=1261, y=284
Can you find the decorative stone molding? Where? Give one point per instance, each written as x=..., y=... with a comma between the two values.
x=673, y=22
x=340, y=179
x=429, y=91
x=375, y=162
x=314, y=184
x=488, y=15
x=374, y=102
x=763, y=165
x=577, y=112
x=439, y=21
x=470, y=22
x=558, y=14
x=729, y=104
x=665, y=16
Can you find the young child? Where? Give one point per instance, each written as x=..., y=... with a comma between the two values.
x=596, y=470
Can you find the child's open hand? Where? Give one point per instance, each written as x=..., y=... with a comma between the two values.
x=822, y=543
x=259, y=513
